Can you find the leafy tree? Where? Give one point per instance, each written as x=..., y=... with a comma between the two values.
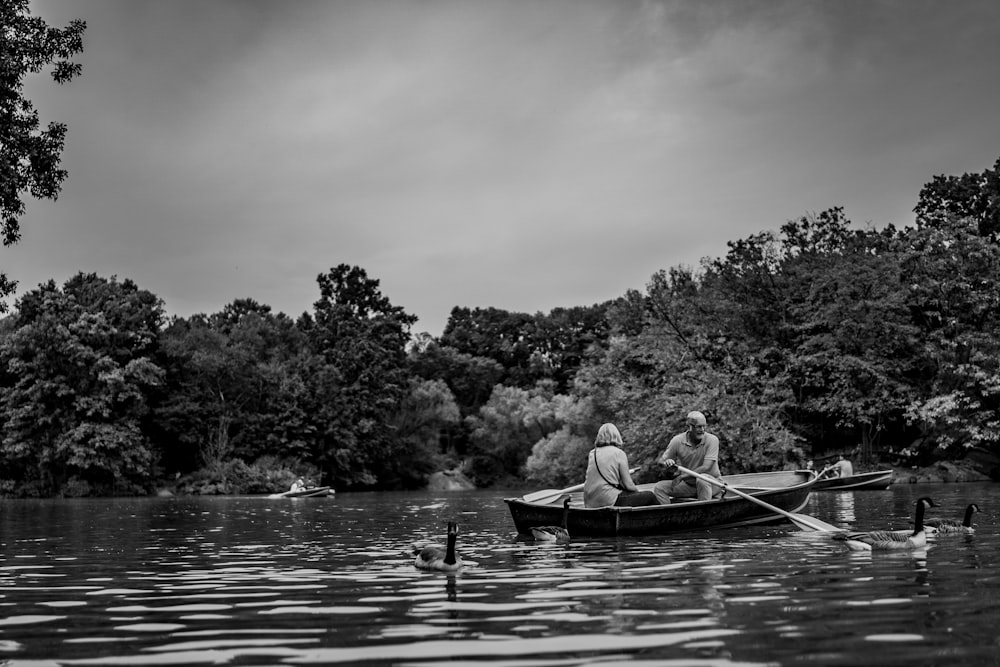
x=496, y=334
x=423, y=416
x=361, y=338
x=78, y=372
x=559, y=458
x=469, y=378
x=234, y=388
x=529, y=348
x=855, y=353
x=973, y=197
x=507, y=428
x=951, y=275
x=29, y=157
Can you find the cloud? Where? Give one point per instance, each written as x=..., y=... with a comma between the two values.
x=474, y=153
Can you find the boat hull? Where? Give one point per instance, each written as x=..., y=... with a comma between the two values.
x=878, y=480
x=786, y=490
x=311, y=492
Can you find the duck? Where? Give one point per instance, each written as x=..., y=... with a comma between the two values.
x=887, y=540
x=554, y=533
x=436, y=557
x=953, y=525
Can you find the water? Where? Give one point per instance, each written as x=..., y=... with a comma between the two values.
x=257, y=581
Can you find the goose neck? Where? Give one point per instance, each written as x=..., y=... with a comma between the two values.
x=449, y=554
x=918, y=520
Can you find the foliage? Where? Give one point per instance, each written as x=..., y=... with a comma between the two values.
x=975, y=197
x=426, y=412
x=507, y=428
x=529, y=348
x=817, y=337
x=234, y=387
x=29, y=157
x=78, y=373
x=952, y=277
x=560, y=457
x=361, y=338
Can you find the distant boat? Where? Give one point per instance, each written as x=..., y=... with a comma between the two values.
x=310, y=492
x=785, y=490
x=877, y=480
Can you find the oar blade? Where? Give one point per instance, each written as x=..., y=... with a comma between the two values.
x=544, y=497
x=538, y=495
x=806, y=522
x=547, y=496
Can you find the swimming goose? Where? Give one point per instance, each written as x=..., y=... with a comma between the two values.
x=436, y=557
x=554, y=533
x=886, y=540
x=953, y=525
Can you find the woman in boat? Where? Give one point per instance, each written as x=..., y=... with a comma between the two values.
x=608, y=480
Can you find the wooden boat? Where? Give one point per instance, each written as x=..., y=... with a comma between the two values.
x=877, y=480
x=310, y=492
x=786, y=490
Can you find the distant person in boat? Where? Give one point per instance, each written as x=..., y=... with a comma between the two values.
x=298, y=485
x=696, y=449
x=608, y=480
x=842, y=468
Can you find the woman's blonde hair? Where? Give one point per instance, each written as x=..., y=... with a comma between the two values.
x=608, y=435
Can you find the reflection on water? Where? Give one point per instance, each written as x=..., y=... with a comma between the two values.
x=844, y=504
x=330, y=581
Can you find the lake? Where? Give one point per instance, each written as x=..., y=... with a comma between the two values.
x=258, y=581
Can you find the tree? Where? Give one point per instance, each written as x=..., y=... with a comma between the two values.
x=77, y=375
x=508, y=426
x=418, y=425
x=970, y=196
x=29, y=157
x=951, y=275
x=361, y=339
x=530, y=348
x=234, y=387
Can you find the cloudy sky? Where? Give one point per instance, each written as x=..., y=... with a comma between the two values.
x=521, y=155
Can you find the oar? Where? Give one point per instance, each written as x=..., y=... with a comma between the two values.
x=548, y=495
x=803, y=521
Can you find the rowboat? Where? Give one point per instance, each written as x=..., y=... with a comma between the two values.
x=877, y=480
x=310, y=492
x=785, y=490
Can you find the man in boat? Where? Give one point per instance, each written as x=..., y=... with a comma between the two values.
x=842, y=468
x=696, y=449
x=298, y=485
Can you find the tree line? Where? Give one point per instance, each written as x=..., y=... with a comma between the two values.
x=818, y=337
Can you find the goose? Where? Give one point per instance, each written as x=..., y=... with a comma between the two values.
x=953, y=525
x=554, y=533
x=886, y=540
x=436, y=557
